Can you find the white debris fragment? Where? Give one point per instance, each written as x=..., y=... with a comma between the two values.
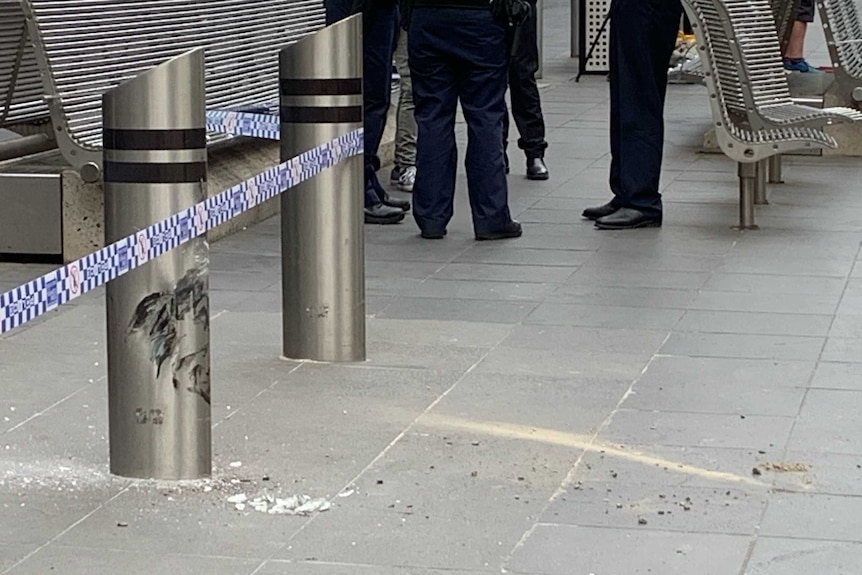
x=236, y=463
x=347, y=492
x=312, y=506
x=293, y=505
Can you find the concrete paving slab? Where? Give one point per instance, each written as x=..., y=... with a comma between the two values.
x=741, y=387
x=744, y=346
x=777, y=556
x=276, y=567
x=749, y=322
x=641, y=297
x=697, y=429
x=83, y=561
x=604, y=316
x=775, y=284
x=814, y=516
x=492, y=311
x=544, y=405
x=765, y=303
x=564, y=549
x=838, y=376
x=439, y=499
x=615, y=504
x=829, y=422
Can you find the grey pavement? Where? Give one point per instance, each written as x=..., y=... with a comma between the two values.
x=678, y=401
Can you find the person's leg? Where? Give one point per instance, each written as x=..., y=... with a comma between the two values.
x=794, y=53
x=644, y=37
x=436, y=100
x=405, y=139
x=337, y=10
x=379, y=24
x=482, y=82
x=526, y=103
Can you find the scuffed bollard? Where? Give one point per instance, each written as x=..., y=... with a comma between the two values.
x=155, y=166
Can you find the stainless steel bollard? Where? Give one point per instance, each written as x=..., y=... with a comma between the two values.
x=155, y=164
x=322, y=229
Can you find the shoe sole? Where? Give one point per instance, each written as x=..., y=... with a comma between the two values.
x=539, y=177
x=502, y=236
x=646, y=224
x=384, y=221
x=594, y=218
x=433, y=236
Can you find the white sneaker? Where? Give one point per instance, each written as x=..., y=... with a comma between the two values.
x=407, y=179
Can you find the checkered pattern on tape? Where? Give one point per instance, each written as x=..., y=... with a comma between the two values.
x=263, y=126
x=29, y=301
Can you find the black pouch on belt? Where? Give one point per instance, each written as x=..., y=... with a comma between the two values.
x=510, y=13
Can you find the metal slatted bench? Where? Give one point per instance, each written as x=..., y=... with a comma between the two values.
x=691, y=71
x=843, y=31
x=752, y=111
x=75, y=50
x=85, y=48
x=22, y=108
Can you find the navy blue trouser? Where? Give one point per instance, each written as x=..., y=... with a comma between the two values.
x=379, y=23
x=642, y=38
x=454, y=54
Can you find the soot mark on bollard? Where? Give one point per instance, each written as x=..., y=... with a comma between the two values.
x=157, y=317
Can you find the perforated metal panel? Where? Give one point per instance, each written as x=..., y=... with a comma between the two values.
x=20, y=85
x=595, y=11
x=90, y=46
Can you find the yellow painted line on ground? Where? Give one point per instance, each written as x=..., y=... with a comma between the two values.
x=575, y=441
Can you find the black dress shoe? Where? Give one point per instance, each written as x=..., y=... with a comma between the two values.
x=511, y=230
x=628, y=219
x=433, y=234
x=382, y=214
x=537, y=170
x=600, y=211
x=403, y=205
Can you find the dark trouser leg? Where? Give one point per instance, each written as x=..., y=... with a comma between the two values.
x=379, y=26
x=643, y=34
x=435, y=98
x=337, y=10
x=526, y=104
x=482, y=79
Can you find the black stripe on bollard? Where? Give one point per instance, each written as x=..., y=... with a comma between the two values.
x=321, y=86
x=315, y=115
x=154, y=173
x=190, y=139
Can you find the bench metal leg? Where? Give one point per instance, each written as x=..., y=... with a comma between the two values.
x=760, y=183
x=747, y=182
x=775, y=175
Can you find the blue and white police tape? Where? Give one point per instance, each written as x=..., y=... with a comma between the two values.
x=238, y=123
x=46, y=293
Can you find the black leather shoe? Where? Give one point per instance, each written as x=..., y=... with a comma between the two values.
x=600, y=211
x=537, y=170
x=433, y=234
x=382, y=214
x=403, y=205
x=628, y=219
x=512, y=230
